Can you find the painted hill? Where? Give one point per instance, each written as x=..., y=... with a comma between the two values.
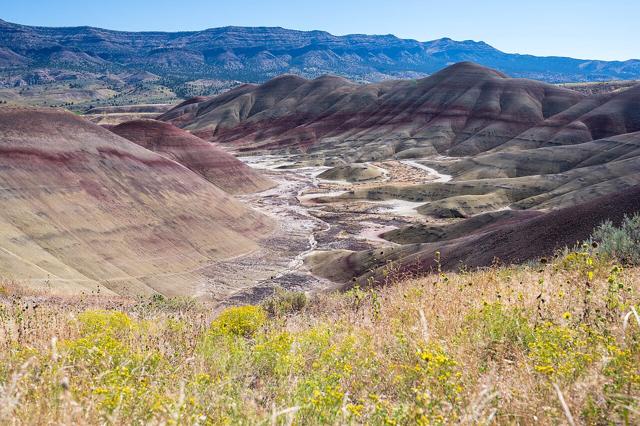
x=84, y=209
x=352, y=173
x=204, y=158
x=259, y=53
x=511, y=238
x=464, y=108
x=507, y=142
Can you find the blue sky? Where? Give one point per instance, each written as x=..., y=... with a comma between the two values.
x=585, y=29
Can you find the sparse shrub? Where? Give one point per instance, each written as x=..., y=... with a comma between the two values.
x=618, y=294
x=149, y=306
x=356, y=295
x=242, y=321
x=227, y=344
x=284, y=302
x=273, y=354
x=583, y=260
x=618, y=401
x=328, y=358
x=120, y=376
x=359, y=299
x=437, y=387
x=562, y=352
x=623, y=242
x=622, y=391
x=105, y=322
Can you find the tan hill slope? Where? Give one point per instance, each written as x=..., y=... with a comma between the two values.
x=84, y=208
x=461, y=111
x=352, y=173
x=113, y=115
x=204, y=158
x=542, y=178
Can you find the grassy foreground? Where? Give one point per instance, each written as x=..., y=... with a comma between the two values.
x=556, y=342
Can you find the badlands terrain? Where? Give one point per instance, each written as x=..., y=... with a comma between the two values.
x=208, y=228
x=466, y=151
x=312, y=184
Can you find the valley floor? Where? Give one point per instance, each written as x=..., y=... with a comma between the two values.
x=308, y=225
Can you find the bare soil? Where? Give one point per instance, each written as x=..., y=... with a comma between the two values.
x=309, y=226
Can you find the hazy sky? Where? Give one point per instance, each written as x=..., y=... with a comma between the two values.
x=586, y=29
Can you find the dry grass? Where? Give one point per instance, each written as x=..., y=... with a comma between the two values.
x=519, y=345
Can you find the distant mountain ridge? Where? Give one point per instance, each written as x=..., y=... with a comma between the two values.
x=256, y=54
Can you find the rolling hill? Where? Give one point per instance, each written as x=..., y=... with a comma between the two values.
x=451, y=110
x=506, y=142
x=480, y=241
x=85, y=210
x=202, y=157
x=108, y=116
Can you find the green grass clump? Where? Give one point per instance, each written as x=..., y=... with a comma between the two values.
x=498, y=330
x=284, y=302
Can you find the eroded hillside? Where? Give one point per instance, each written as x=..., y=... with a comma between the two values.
x=87, y=210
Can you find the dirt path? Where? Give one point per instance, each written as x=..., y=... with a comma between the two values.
x=439, y=177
